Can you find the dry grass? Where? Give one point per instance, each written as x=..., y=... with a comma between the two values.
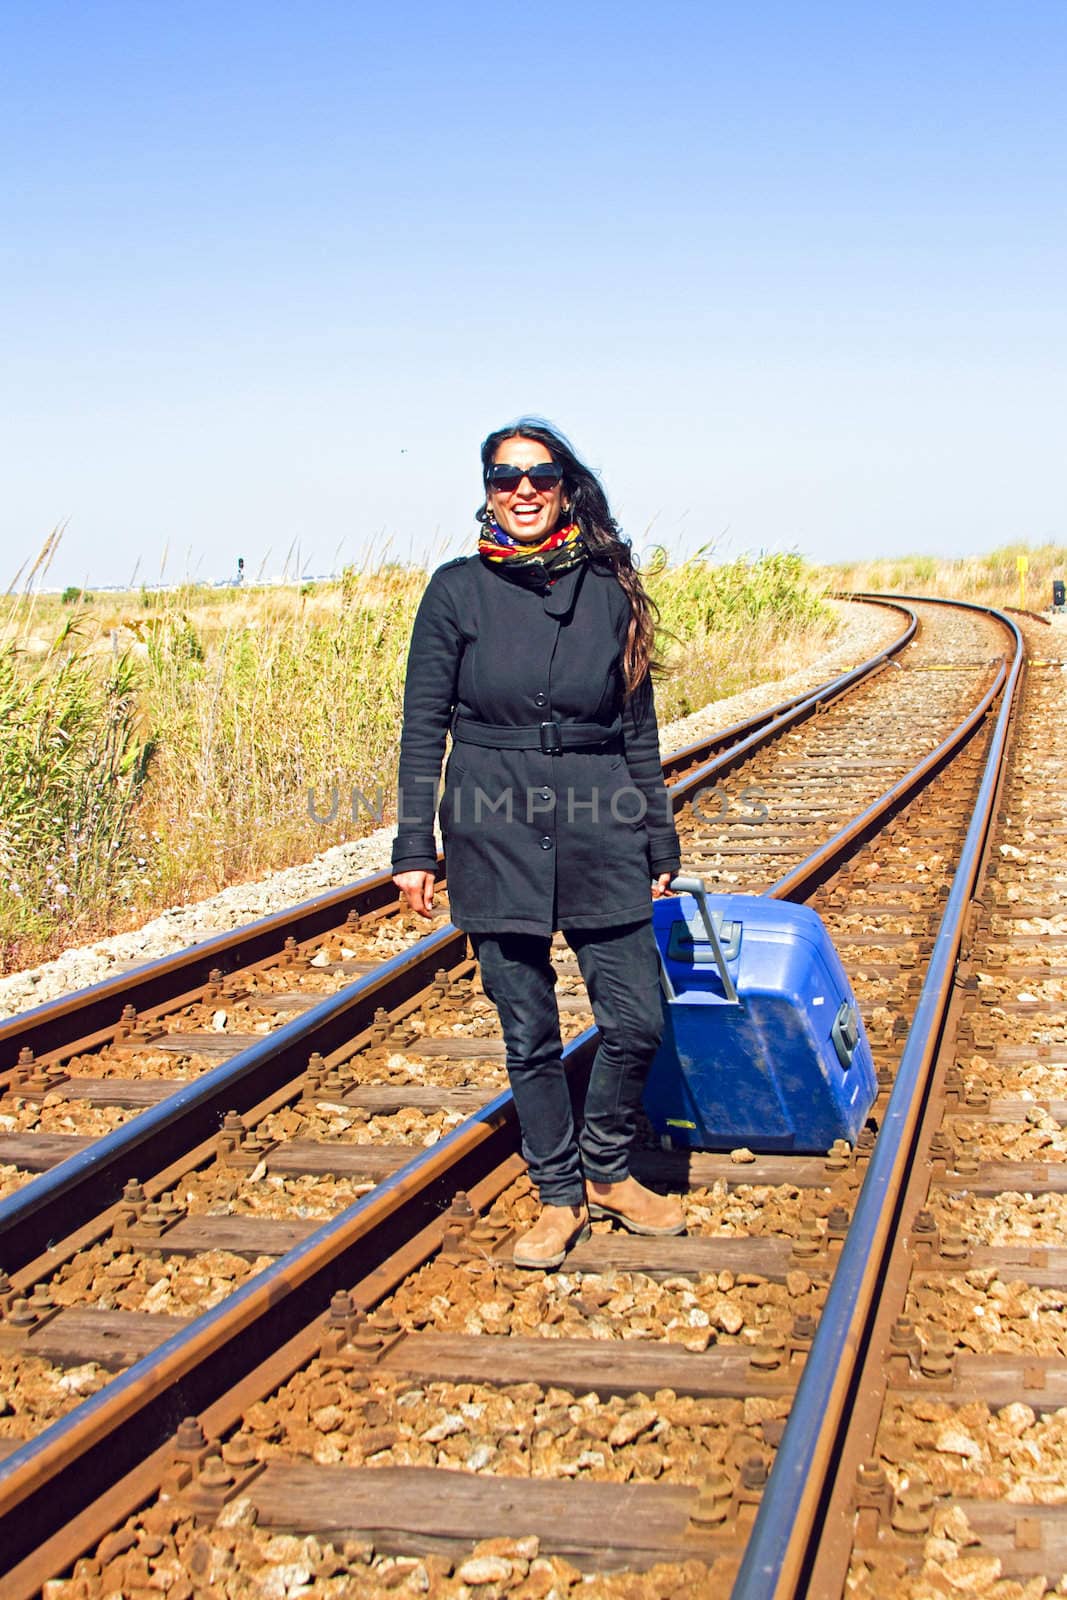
x=178, y=740
x=992, y=579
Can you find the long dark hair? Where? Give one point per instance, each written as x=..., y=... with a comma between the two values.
x=588, y=507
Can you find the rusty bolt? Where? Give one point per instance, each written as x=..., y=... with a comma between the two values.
x=936, y=1361
x=233, y=1122
x=804, y=1326
x=713, y=1501
x=839, y=1155
x=753, y=1472
x=26, y=1056
x=133, y=1192
x=22, y=1313
x=215, y=1474
x=837, y=1222
x=924, y=1222
x=966, y=1164
x=129, y=1014
x=190, y=1438
x=765, y=1357
x=912, y=1513
x=870, y=1476
x=902, y=1335
x=340, y=1306
x=808, y=1241
x=240, y=1451
x=954, y=1245
x=363, y=1336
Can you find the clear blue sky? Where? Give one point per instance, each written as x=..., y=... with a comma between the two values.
x=268, y=273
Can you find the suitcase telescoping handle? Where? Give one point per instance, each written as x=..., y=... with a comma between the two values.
x=695, y=887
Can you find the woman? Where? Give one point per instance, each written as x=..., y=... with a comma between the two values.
x=535, y=653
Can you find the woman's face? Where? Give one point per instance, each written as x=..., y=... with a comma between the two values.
x=528, y=514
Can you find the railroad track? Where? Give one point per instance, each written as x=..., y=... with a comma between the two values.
x=664, y=1371
x=133, y=1077
x=952, y=1473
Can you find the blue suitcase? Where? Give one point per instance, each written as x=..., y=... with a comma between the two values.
x=763, y=1045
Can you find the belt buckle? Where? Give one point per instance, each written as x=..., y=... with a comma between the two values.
x=551, y=739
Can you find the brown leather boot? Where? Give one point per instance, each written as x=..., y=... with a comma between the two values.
x=552, y=1235
x=637, y=1208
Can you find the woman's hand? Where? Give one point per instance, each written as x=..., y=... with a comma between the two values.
x=661, y=885
x=416, y=888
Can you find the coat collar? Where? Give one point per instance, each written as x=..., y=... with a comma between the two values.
x=564, y=592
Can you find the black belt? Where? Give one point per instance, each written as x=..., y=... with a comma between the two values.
x=552, y=738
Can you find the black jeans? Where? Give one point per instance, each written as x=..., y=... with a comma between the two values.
x=622, y=976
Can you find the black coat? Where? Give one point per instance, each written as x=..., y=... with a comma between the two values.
x=587, y=829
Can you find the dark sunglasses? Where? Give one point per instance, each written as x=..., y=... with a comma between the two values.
x=544, y=476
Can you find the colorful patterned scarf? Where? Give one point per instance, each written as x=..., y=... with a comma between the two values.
x=532, y=565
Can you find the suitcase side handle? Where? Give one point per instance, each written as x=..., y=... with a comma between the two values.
x=695, y=887
x=845, y=1033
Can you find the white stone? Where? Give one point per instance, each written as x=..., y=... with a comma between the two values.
x=1016, y=1417
x=485, y=1569
x=239, y=1513
x=952, y=1441
x=450, y=1424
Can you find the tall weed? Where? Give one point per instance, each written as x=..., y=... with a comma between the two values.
x=724, y=627
x=993, y=578
x=272, y=721
x=72, y=768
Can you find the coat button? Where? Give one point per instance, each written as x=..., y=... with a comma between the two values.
x=546, y=841
x=540, y=698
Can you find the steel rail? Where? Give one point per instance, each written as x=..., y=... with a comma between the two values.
x=94, y=1013
x=779, y=1548
x=36, y=1215
x=85, y=1454
x=826, y=1569
x=824, y=861
x=91, y=1015
x=801, y=710
x=33, y=1217
x=824, y=694
x=65, y=1465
